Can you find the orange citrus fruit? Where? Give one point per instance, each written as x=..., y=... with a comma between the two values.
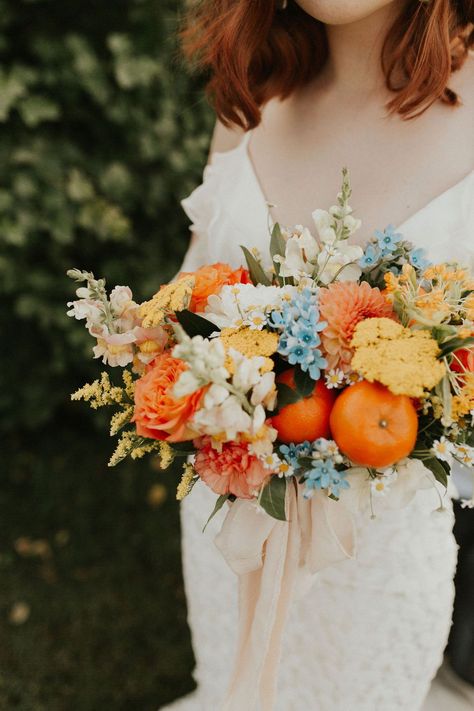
x=372, y=426
x=306, y=419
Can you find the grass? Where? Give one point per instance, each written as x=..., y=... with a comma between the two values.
x=92, y=608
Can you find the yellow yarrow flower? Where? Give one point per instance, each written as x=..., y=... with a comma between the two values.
x=462, y=404
x=170, y=298
x=403, y=360
x=250, y=343
x=186, y=483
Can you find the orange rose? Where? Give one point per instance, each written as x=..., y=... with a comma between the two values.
x=210, y=280
x=157, y=413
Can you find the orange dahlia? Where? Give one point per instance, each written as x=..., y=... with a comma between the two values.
x=210, y=280
x=343, y=305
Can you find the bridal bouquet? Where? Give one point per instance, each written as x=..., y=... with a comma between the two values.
x=326, y=367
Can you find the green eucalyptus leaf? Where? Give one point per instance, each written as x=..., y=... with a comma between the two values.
x=441, y=470
x=285, y=396
x=219, y=504
x=272, y=499
x=455, y=344
x=277, y=246
x=256, y=272
x=195, y=325
x=304, y=382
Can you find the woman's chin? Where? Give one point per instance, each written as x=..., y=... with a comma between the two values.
x=342, y=12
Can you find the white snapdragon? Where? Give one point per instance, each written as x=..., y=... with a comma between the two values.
x=226, y=418
x=264, y=392
x=340, y=262
x=301, y=253
x=121, y=300
x=247, y=371
x=325, y=226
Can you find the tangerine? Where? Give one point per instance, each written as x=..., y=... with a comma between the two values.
x=372, y=426
x=307, y=419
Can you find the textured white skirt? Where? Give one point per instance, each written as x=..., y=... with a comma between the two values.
x=368, y=636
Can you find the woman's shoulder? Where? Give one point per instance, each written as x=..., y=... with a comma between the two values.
x=225, y=138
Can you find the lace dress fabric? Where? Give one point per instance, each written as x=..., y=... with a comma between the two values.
x=370, y=634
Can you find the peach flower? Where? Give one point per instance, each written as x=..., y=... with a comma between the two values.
x=233, y=470
x=343, y=305
x=157, y=413
x=210, y=280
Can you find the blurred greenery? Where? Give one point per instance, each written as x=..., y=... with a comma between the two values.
x=102, y=133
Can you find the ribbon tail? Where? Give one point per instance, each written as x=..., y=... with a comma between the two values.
x=264, y=595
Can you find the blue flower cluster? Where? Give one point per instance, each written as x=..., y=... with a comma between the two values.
x=322, y=474
x=299, y=324
x=292, y=452
x=385, y=245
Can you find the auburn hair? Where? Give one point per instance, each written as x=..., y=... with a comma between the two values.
x=252, y=51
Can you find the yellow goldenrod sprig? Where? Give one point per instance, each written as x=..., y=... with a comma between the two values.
x=166, y=455
x=131, y=444
x=187, y=481
x=120, y=419
x=99, y=393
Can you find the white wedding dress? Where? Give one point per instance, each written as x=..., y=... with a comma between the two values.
x=370, y=634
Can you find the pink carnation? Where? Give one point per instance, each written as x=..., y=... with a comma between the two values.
x=233, y=470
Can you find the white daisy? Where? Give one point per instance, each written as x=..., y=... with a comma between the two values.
x=443, y=449
x=464, y=454
x=334, y=378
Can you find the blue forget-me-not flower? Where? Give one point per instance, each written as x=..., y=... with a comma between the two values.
x=418, y=259
x=324, y=475
x=370, y=257
x=388, y=240
x=299, y=326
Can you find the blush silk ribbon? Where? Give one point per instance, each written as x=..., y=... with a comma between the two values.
x=275, y=561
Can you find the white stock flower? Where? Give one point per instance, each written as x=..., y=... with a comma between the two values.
x=247, y=370
x=205, y=358
x=264, y=392
x=186, y=384
x=215, y=396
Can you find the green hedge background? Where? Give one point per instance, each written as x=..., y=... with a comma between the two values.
x=102, y=132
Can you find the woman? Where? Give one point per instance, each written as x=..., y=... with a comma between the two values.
x=385, y=87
